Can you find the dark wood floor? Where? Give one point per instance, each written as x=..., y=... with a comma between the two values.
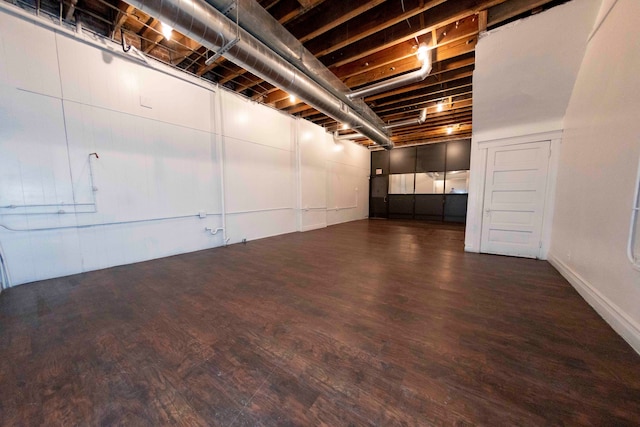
x=369, y=323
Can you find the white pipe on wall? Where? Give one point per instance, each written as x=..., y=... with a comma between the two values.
x=103, y=224
x=220, y=156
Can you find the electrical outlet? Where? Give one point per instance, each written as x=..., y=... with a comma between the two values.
x=244, y=241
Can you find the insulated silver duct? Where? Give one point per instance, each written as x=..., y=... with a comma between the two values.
x=259, y=23
x=206, y=25
x=348, y=136
x=408, y=122
x=402, y=123
x=396, y=82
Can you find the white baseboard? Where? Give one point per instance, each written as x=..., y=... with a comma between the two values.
x=626, y=327
x=313, y=226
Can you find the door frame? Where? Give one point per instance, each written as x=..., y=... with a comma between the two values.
x=386, y=198
x=475, y=206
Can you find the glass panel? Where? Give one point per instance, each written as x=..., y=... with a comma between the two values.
x=457, y=182
x=401, y=183
x=430, y=183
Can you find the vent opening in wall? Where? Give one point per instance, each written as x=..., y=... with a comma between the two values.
x=633, y=247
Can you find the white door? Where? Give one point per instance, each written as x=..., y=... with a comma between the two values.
x=514, y=197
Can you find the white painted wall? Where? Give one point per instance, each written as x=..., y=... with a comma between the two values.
x=525, y=71
x=522, y=83
x=259, y=169
x=334, y=179
x=167, y=143
x=597, y=174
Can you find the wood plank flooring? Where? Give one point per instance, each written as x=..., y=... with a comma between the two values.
x=381, y=323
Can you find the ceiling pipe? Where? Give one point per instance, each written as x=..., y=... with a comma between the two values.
x=71, y=8
x=402, y=123
x=424, y=54
x=408, y=122
x=206, y=25
x=262, y=25
x=349, y=136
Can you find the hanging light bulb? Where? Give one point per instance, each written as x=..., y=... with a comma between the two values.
x=166, y=30
x=450, y=130
x=345, y=126
x=440, y=106
x=292, y=98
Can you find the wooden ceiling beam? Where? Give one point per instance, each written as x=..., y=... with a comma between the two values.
x=432, y=113
x=309, y=4
x=315, y=22
x=185, y=48
x=428, y=92
x=464, y=131
x=370, y=22
x=424, y=23
x=268, y=4
x=452, y=89
x=443, y=73
x=151, y=35
x=456, y=57
x=482, y=21
x=124, y=10
x=429, y=104
x=429, y=81
x=444, y=36
x=450, y=50
x=509, y=9
x=438, y=118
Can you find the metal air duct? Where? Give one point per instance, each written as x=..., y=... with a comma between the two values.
x=349, y=136
x=206, y=25
x=259, y=23
x=416, y=76
x=408, y=122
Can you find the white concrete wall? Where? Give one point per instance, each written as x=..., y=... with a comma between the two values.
x=523, y=78
x=597, y=174
x=166, y=143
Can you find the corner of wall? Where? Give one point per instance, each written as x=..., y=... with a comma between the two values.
x=624, y=325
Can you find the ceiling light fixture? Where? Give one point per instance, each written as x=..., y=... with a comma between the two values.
x=166, y=30
x=345, y=126
x=440, y=106
x=292, y=98
x=450, y=130
x=423, y=50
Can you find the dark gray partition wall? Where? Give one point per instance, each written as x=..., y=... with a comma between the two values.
x=402, y=160
x=427, y=182
x=379, y=184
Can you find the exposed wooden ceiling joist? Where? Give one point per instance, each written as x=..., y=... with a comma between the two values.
x=361, y=42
